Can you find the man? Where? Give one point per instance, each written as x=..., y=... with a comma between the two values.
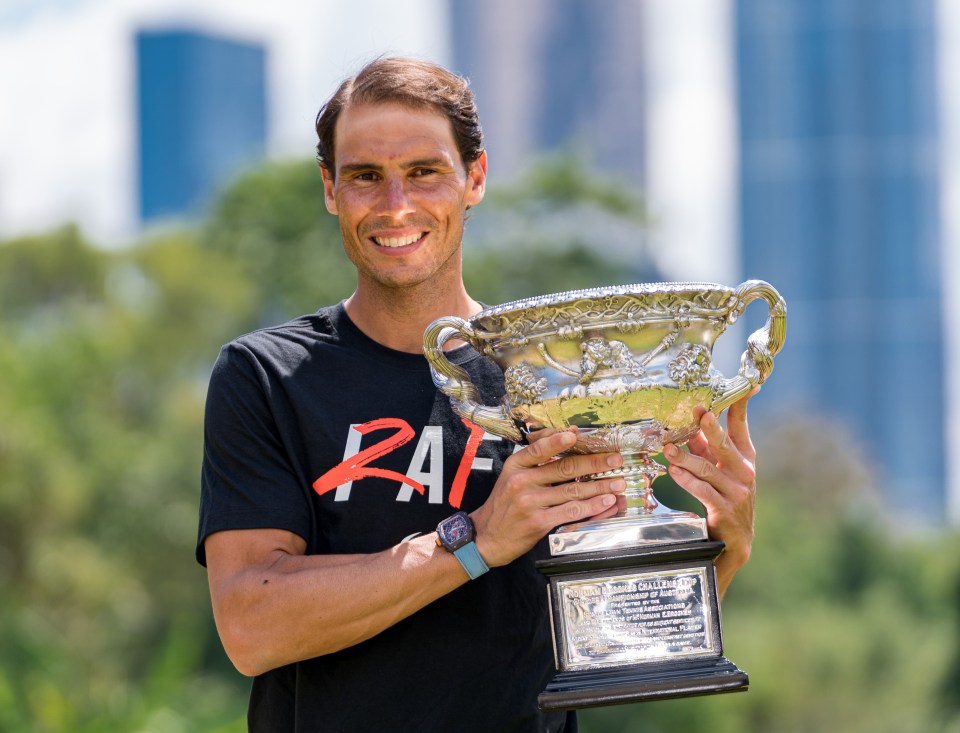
x=330, y=459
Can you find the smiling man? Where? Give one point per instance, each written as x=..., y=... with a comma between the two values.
x=371, y=555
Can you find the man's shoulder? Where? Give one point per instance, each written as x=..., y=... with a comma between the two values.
x=302, y=331
x=283, y=346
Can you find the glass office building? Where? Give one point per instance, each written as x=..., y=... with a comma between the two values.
x=201, y=108
x=839, y=209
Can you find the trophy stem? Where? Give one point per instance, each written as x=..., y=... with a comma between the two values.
x=640, y=470
x=642, y=521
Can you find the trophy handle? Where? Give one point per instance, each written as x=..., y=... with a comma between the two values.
x=763, y=344
x=455, y=383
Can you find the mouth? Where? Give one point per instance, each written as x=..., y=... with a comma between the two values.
x=396, y=242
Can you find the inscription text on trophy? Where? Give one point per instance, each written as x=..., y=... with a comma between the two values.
x=631, y=619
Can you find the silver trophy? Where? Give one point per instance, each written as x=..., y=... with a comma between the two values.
x=633, y=597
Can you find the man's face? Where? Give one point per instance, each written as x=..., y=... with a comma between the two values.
x=401, y=192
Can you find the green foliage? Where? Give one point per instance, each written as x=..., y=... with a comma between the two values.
x=100, y=413
x=272, y=224
x=565, y=180
x=42, y=273
x=105, y=623
x=537, y=269
x=559, y=227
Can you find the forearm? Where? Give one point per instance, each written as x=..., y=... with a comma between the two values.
x=302, y=606
x=727, y=566
x=275, y=605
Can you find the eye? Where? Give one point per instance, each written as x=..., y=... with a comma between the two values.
x=366, y=176
x=420, y=172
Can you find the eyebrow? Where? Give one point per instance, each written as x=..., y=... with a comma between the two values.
x=435, y=162
x=357, y=167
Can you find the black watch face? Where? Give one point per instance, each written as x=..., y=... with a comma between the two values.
x=457, y=530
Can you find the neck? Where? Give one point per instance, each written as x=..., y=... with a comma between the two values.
x=397, y=317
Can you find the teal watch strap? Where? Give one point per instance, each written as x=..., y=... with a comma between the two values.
x=469, y=557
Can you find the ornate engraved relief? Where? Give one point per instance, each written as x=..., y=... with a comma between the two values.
x=629, y=308
x=646, y=438
x=691, y=366
x=598, y=353
x=522, y=384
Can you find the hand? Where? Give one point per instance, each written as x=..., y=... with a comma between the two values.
x=538, y=490
x=720, y=472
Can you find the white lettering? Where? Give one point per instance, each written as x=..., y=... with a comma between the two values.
x=485, y=464
x=351, y=449
x=429, y=451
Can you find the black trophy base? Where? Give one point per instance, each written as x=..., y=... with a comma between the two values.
x=619, y=685
x=667, y=596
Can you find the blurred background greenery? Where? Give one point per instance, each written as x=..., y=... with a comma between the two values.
x=843, y=622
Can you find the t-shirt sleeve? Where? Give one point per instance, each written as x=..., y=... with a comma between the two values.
x=247, y=480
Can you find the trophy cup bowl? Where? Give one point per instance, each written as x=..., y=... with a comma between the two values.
x=629, y=366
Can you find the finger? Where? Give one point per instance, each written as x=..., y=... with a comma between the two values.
x=574, y=467
x=582, y=490
x=534, y=435
x=737, y=424
x=611, y=511
x=700, y=469
x=699, y=446
x=728, y=455
x=575, y=511
x=703, y=491
x=717, y=438
x=544, y=448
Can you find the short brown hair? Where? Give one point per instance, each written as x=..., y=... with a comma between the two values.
x=411, y=82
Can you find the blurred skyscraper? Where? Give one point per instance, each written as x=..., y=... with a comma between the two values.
x=840, y=210
x=556, y=74
x=201, y=103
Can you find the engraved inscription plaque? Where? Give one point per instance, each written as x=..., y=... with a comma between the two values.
x=634, y=618
x=636, y=624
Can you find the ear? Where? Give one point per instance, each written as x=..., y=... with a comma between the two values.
x=476, y=180
x=328, y=190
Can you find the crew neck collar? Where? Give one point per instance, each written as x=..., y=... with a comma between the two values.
x=351, y=335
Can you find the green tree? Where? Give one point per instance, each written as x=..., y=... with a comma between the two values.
x=273, y=226
x=558, y=227
x=100, y=413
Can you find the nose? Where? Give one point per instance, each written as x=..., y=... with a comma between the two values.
x=395, y=199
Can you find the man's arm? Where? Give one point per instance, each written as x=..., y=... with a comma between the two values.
x=274, y=605
x=720, y=472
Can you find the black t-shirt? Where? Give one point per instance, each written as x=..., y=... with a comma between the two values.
x=314, y=428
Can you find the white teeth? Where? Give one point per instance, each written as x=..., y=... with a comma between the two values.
x=397, y=241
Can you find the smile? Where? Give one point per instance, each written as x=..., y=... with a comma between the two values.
x=399, y=241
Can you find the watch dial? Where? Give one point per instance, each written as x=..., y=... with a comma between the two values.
x=456, y=529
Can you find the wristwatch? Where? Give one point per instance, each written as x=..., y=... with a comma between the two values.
x=456, y=534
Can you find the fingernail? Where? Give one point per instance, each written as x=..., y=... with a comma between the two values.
x=618, y=486
x=615, y=460
x=608, y=500
x=670, y=450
